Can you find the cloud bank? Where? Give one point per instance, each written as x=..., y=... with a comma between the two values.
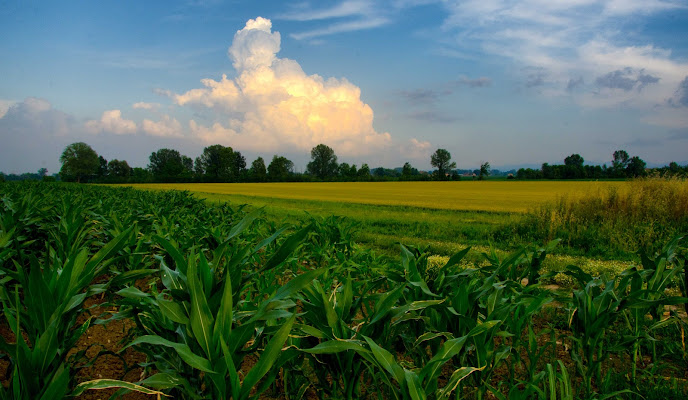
x=273, y=105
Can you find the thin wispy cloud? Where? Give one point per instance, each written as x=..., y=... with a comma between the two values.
x=348, y=16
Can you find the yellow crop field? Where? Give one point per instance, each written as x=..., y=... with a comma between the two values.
x=506, y=196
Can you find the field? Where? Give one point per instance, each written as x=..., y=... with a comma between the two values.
x=492, y=196
x=162, y=294
x=445, y=217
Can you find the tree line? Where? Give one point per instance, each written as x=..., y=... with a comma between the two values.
x=218, y=163
x=622, y=166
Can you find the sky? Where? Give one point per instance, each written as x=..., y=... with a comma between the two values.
x=512, y=83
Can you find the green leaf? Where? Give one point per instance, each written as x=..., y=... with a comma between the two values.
x=455, y=379
x=163, y=380
x=415, y=389
x=173, y=311
x=267, y=358
x=201, y=318
x=286, y=248
x=132, y=292
x=224, y=317
x=58, y=386
x=386, y=360
x=245, y=222
x=336, y=346
x=173, y=252
x=182, y=349
x=113, y=383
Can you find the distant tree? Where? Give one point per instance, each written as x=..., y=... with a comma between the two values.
x=280, y=169
x=102, y=167
x=79, y=162
x=673, y=167
x=573, y=167
x=119, y=169
x=2, y=177
x=323, y=162
x=635, y=167
x=441, y=160
x=574, y=160
x=406, y=171
x=215, y=163
x=258, y=171
x=238, y=167
x=484, y=170
x=363, y=173
x=619, y=162
x=141, y=175
x=167, y=164
x=343, y=170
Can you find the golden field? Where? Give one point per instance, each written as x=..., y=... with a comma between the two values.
x=504, y=196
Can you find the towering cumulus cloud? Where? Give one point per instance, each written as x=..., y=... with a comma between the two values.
x=273, y=104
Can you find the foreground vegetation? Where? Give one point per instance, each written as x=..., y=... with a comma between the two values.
x=226, y=304
x=603, y=220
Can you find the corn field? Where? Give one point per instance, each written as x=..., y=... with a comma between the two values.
x=223, y=304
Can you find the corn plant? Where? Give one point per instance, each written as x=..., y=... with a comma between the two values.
x=199, y=330
x=41, y=310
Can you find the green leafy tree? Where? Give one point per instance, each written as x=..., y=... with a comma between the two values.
x=79, y=162
x=102, y=167
x=485, y=170
x=363, y=174
x=619, y=162
x=406, y=170
x=119, y=169
x=441, y=160
x=258, y=171
x=167, y=164
x=635, y=167
x=216, y=162
x=280, y=169
x=239, y=170
x=323, y=162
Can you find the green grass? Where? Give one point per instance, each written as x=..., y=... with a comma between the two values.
x=382, y=228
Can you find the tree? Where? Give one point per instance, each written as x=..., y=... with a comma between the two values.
x=280, y=168
x=635, y=167
x=406, y=170
x=619, y=163
x=441, y=160
x=573, y=167
x=119, y=169
x=238, y=166
x=42, y=173
x=484, y=171
x=102, y=167
x=79, y=162
x=167, y=164
x=258, y=171
x=574, y=160
x=215, y=163
x=323, y=162
x=363, y=173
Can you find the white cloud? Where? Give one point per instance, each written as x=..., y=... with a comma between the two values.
x=5, y=105
x=146, y=106
x=349, y=15
x=166, y=127
x=571, y=40
x=273, y=104
x=111, y=121
x=416, y=149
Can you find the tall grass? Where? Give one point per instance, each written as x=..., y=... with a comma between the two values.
x=611, y=220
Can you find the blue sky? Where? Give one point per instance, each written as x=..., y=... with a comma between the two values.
x=382, y=82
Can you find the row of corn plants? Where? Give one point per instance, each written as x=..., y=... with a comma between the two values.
x=226, y=305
